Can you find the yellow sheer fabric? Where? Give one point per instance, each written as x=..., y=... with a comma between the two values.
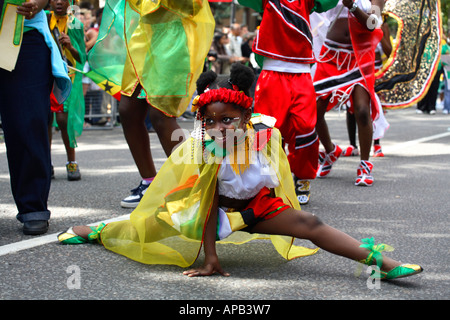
x=167, y=42
x=168, y=225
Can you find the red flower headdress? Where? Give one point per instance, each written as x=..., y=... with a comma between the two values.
x=224, y=95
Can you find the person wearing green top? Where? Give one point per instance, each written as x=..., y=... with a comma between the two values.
x=68, y=33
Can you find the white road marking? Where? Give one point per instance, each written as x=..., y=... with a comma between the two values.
x=39, y=241
x=410, y=143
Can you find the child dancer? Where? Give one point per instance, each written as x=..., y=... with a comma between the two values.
x=231, y=180
x=384, y=49
x=68, y=32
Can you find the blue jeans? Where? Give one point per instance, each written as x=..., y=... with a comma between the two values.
x=447, y=95
x=24, y=111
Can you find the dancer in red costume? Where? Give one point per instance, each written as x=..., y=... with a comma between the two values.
x=285, y=89
x=382, y=53
x=346, y=71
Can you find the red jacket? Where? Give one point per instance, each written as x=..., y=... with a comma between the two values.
x=285, y=31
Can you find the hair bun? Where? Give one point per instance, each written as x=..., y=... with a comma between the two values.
x=205, y=79
x=242, y=76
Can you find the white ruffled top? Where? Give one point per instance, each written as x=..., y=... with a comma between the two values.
x=246, y=185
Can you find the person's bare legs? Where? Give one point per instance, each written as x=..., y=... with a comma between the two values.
x=351, y=128
x=322, y=127
x=304, y=225
x=165, y=127
x=132, y=113
x=61, y=120
x=361, y=105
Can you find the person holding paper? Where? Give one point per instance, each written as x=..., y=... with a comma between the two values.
x=24, y=111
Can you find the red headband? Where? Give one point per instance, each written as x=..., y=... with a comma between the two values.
x=223, y=95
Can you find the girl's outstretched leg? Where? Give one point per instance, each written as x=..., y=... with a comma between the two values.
x=304, y=225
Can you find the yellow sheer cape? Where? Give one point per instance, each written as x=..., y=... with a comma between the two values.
x=168, y=225
x=167, y=43
x=160, y=45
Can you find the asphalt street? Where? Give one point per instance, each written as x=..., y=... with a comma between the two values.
x=407, y=207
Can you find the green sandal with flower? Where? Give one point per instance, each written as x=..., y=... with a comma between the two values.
x=401, y=271
x=70, y=237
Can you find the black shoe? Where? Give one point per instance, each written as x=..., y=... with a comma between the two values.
x=35, y=227
x=302, y=190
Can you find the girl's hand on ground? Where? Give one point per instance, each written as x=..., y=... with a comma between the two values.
x=206, y=270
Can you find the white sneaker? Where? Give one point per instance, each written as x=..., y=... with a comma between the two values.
x=133, y=200
x=364, y=174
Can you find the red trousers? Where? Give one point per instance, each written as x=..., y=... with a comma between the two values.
x=291, y=99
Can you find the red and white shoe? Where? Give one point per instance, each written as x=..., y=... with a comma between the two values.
x=364, y=173
x=326, y=161
x=350, y=151
x=377, y=151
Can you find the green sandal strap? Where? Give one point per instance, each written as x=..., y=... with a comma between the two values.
x=95, y=234
x=404, y=270
x=375, y=251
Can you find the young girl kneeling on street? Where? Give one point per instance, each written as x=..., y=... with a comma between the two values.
x=229, y=182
